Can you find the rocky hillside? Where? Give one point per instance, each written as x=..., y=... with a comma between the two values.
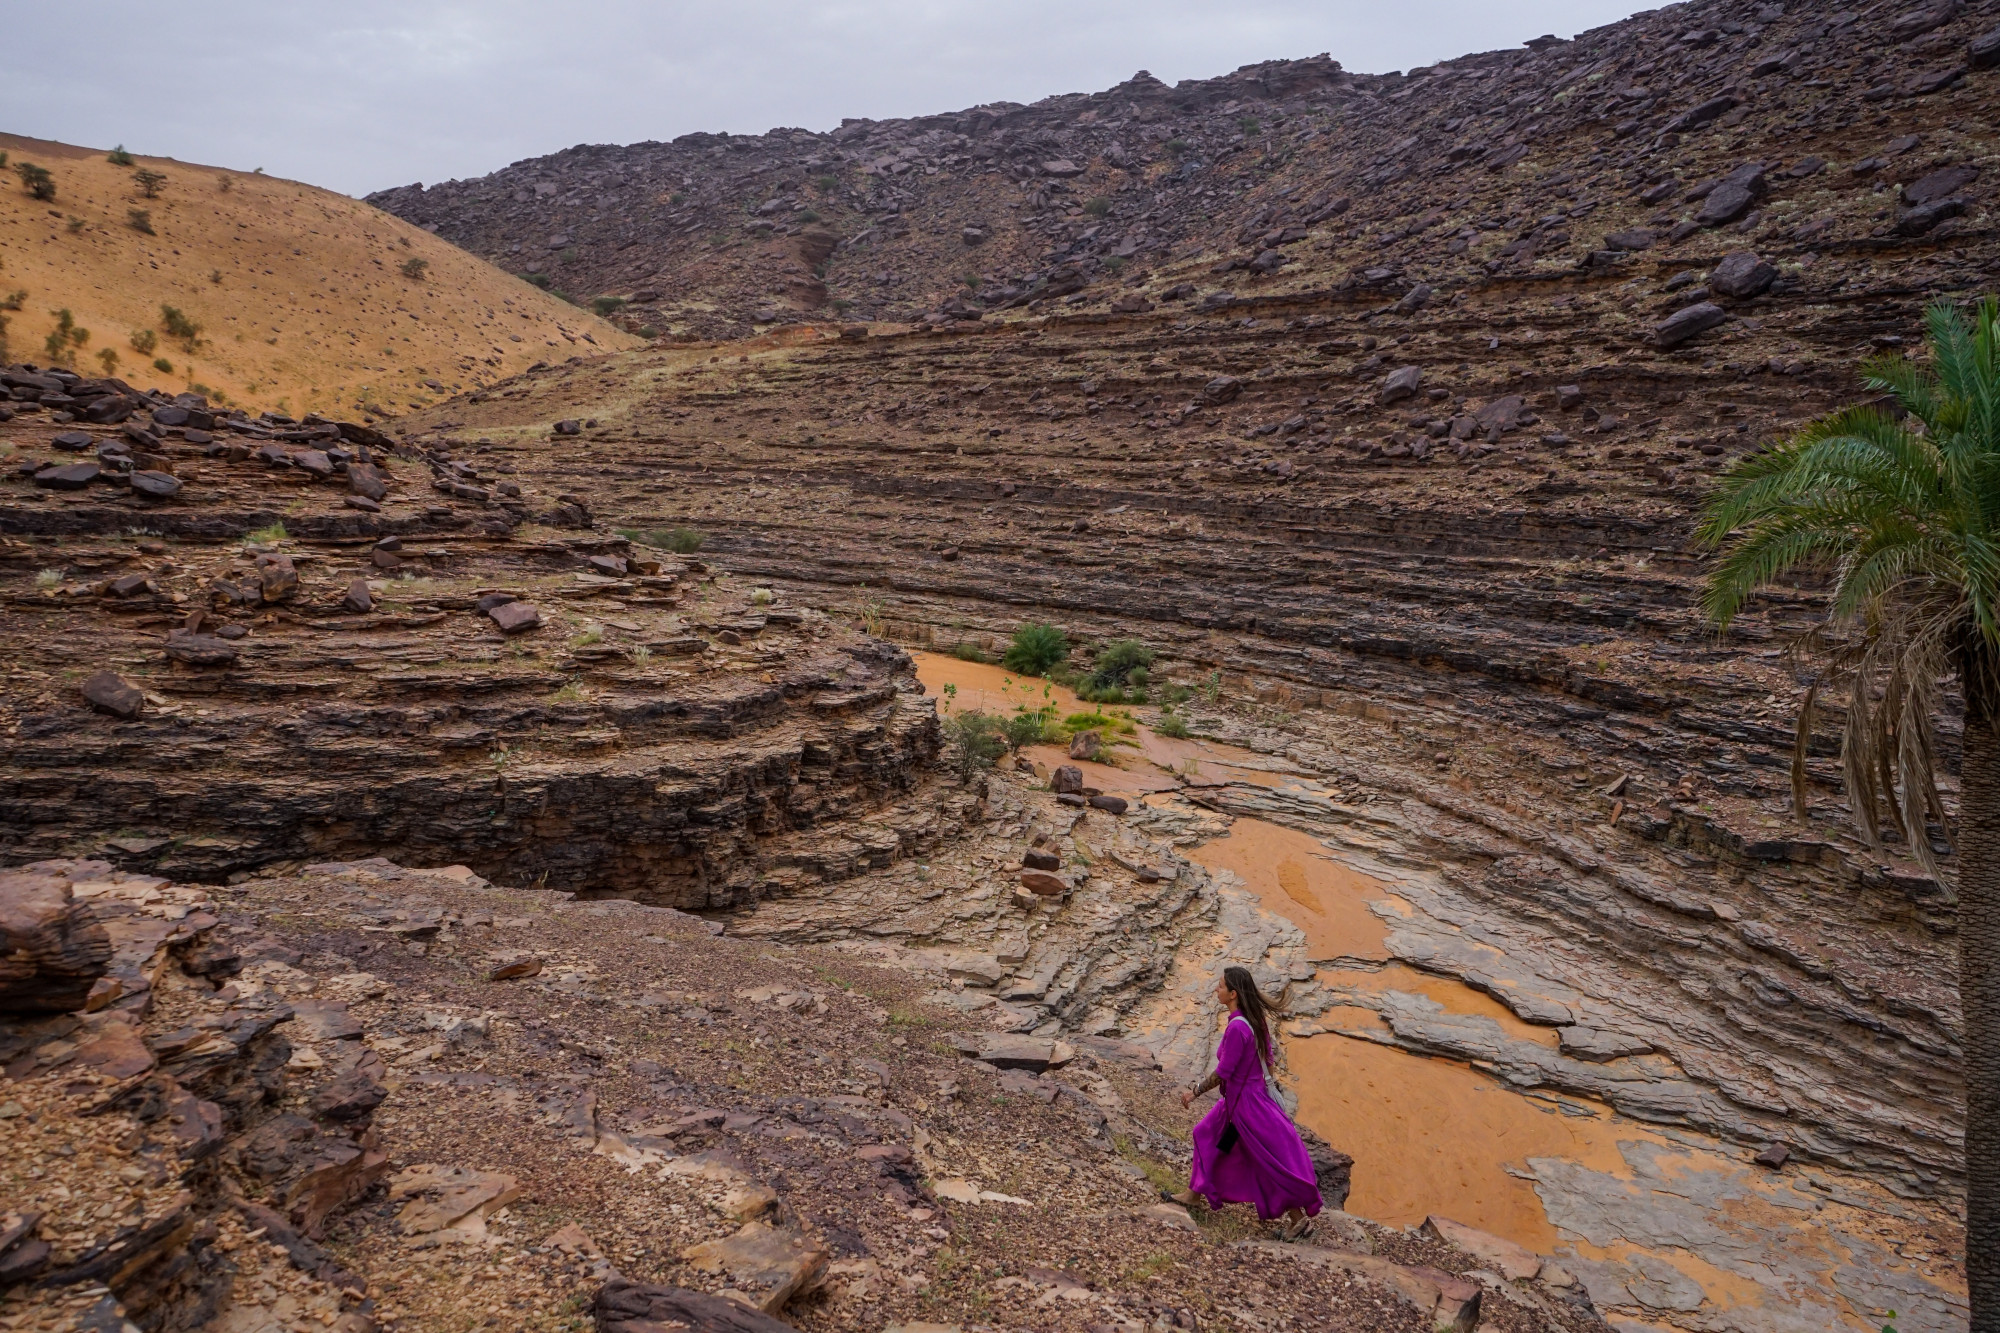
x=1285, y=176
x=361, y=1097
x=1407, y=482
x=290, y=298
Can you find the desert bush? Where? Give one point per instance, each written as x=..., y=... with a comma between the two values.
x=980, y=738
x=1035, y=649
x=265, y=536
x=215, y=276
x=36, y=181
x=164, y=366
x=540, y=280
x=413, y=268
x=1176, y=147
x=12, y=300
x=5, y=354
x=107, y=358
x=144, y=341
x=608, y=305
x=1172, y=724
x=149, y=182
x=1097, y=207
x=178, y=325
x=1119, y=663
x=683, y=541
x=118, y=157
x=224, y=184
x=140, y=220
x=1027, y=727
x=969, y=652
x=827, y=184
x=65, y=339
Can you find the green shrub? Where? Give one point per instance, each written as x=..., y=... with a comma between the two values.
x=36, y=181
x=969, y=652
x=1172, y=724
x=981, y=739
x=63, y=341
x=540, y=280
x=12, y=300
x=1097, y=207
x=180, y=326
x=1249, y=125
x=1176, y=147
x=1121, y=662
x=144, y=341
x=683, y=541
x=109, y=360
x=275, y=533
x=164, y=366
x=807, y=215
x=413, y=268
x=826, y=184
x=140, y=220
x=118, y=157
x=1035, y=649
x=1027, y=728
x=149, y=182
x=607, y=305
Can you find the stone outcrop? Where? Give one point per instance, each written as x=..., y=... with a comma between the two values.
x=568, y=708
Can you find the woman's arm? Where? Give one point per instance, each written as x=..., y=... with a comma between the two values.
x=1212, y=1081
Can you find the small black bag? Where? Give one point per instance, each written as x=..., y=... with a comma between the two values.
x=1228, y=1139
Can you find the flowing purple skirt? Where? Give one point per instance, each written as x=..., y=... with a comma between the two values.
x=1267, y=1165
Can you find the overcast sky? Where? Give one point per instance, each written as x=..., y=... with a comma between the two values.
x=371, y=93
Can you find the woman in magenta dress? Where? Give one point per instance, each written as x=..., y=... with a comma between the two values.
x=1245, y=1148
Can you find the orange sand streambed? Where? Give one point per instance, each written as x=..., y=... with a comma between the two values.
x=1427, y=1135
x=1423, y=1132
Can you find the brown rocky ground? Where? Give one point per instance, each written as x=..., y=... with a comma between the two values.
x=362, y=1097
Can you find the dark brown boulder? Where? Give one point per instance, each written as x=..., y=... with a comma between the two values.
x=149, y=484
x=52, y=948
x=109, y=692
x=69, y=477
x=366, y=481
x=358, y=597
x=515, y=617
x=1742, y=275
x=1034, y=860
x=1068, y=778
x=1682, y=325
x=635, y=1307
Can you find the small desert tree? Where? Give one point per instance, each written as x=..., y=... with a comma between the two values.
x=36, y=181
x=118, y=157
x=1902, y=510
x=149, y=182
x=413, y=268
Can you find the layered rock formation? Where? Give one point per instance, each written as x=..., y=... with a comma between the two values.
x=260, y=640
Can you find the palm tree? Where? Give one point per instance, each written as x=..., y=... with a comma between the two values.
x=1902, y=511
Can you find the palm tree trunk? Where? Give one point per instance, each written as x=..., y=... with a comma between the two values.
x=1979, y=981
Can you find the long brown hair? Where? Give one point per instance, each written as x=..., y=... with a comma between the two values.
x=1250, y=1003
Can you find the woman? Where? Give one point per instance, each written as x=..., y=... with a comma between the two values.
x=1245, y=1148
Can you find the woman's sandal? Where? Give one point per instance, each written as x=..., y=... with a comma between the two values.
x=1299, y=1231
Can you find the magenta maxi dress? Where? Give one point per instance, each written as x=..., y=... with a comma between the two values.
x=1267, y=1164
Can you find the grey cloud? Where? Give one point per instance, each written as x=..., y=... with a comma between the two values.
x=368, y=94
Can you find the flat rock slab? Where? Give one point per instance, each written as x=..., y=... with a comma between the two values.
x=766, y=1264
x=514, y=617
x=1511, y=1261
x=636, y=1307
x=1008, y=1050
